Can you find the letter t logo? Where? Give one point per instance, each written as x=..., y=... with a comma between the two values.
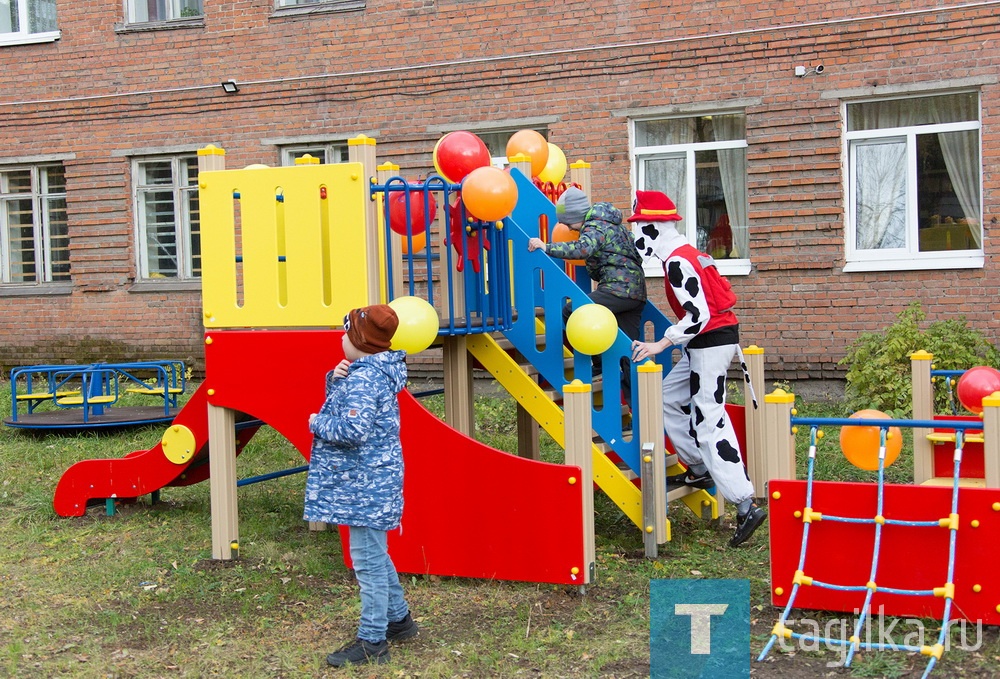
x=701, y=624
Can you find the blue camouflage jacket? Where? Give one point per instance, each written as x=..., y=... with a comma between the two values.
x=356, y=464
x=608, y=249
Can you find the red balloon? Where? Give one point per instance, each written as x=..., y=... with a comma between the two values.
x=419, y=218
x=456, y=154
x=974, y=384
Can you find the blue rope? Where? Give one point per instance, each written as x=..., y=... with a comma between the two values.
x=854, y=643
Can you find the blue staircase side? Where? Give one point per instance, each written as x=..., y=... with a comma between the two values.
x=540, y=281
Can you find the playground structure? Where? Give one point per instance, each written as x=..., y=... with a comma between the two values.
x=922, y=550
x=288, y=251
x=73, y=397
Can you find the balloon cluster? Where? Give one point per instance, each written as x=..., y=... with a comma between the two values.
x=548, y=162
x=489, y=193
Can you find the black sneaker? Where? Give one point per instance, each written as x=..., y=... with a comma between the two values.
x=360, y=652
x=402, y=630
x=689, y=480
x=746, y=524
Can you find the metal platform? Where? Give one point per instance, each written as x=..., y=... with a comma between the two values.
x=69, y=419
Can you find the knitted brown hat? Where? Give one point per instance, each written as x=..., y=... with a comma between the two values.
x=371, y=328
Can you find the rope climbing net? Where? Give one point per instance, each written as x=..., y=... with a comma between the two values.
x=881, y=523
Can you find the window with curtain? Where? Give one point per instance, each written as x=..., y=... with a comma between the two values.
x=700, y=162
x=320, y=5
x=34, y=247
x=914, y=175
x=26, y=21
x=145, y=11
x=335, y=152
x=167, y=217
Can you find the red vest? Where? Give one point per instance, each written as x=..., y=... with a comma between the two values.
x=720, y=296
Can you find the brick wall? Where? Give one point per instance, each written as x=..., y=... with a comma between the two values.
x=101, y=95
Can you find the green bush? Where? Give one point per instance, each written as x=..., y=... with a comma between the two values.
x=879, y=362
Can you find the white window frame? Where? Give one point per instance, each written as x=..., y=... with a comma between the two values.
x=23, y=36
x=908, y=258
x=182, y=216
x=41, y=227
x=641, y=154
x=331, y=150
x=174, y=12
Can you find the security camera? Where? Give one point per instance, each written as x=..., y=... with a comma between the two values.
x=819, y=69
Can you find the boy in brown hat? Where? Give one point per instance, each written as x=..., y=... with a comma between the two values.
x=694, y=391
x=356, y=475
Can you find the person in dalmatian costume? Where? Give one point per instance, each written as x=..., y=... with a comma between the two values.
x=694, y=391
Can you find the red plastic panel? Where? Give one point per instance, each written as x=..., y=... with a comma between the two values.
x=973, y=457
x=136, y=474
x=469, y=510
x=910, y=557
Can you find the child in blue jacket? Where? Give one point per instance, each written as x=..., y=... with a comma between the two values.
x=356, y=475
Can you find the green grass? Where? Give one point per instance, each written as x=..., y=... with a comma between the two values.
x=136, y=595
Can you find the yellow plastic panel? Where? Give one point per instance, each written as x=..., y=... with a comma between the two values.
x=303, y=256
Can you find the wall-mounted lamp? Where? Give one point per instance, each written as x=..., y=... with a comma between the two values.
x=801, y=71
x=230, y=86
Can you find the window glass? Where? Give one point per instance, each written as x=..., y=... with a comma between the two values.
x=700, y=163
x=327, y=153
x=168, y=219
x=141, y=11
x=915, y=178
x=34, y=247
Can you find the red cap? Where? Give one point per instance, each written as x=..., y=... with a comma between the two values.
x=653, y=206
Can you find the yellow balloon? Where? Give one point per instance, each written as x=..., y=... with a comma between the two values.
x=592, y=329
x=555, y=166
x=418, y=324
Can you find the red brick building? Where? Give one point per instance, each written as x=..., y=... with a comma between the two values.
x=838, y=159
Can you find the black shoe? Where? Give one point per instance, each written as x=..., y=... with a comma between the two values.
x=360, y=652
x=402, y=630
x=689, y=480
x=747, y=524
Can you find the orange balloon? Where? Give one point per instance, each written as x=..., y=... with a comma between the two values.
x=860, y=443
x=419, y=242
x=489, y=193
x=532, y=144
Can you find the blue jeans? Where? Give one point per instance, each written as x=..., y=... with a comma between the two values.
x=381, y=594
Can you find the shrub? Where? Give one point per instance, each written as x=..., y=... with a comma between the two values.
x=879, y=362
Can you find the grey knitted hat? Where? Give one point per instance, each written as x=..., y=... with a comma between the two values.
x=572, y=206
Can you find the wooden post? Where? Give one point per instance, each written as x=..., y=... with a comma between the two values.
x=577, y=406
x=653, y=462
x=579, y=173
x=361, y=149
x=527, y=435
x=779, y=444
x=221, y=435
x=211, y=158
x=527, y=427
x=222, y=477
x=991, y=439
x=923, y=409
x=387, y=171
x=459, y=398
x=755, y=434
